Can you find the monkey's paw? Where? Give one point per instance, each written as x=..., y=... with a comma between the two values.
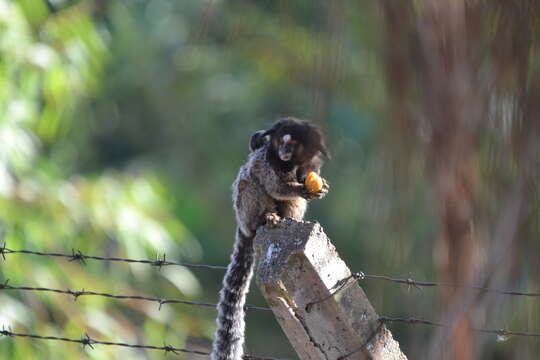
x=272, y=219
x=308, y=195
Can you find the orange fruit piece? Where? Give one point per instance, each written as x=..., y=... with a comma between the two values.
x=314, y=182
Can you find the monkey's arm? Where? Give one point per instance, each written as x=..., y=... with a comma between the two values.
x=293, y=190
x=280, y=190
x=314, y=165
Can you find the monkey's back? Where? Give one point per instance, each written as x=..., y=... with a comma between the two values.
x=250, y=198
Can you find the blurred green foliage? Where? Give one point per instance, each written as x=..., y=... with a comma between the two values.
x=122, y=126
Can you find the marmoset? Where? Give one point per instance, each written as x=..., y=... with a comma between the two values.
x=266, y=189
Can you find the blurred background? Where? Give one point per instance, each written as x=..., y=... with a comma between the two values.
x=123, y=124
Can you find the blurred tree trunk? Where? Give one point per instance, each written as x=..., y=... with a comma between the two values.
x=449, y=37
x=465, y=65
x=442, y=38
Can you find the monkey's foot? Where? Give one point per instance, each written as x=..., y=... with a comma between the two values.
x=272, y=219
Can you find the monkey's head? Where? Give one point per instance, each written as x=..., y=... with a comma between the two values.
x=295, y=141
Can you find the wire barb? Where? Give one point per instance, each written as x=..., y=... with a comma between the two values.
x=4, y=285
x=160, y=262
x=5, y=332
x=169, y=348
x=3, y=251
x=76, y=294
x=87, y=341
x=77, y=255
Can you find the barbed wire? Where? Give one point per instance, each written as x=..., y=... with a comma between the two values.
x=502, y=334
x=416, y=283
x=499, y=332
x=88, y=341
x=77, y=255
x=351, y=279
x=160, y=301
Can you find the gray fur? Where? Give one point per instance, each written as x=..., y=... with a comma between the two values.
x=256, y=189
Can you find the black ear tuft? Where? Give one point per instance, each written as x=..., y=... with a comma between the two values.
x=257, y=140
x=322, y=144
x=318, y=139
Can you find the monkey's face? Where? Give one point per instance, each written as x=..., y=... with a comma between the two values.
x=295, y=141
x=288, y=147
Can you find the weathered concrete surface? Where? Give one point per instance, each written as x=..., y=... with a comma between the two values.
x=298, y=265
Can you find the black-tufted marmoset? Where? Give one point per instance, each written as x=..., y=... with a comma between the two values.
x=268, y=187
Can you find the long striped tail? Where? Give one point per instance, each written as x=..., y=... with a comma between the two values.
x=229, y=337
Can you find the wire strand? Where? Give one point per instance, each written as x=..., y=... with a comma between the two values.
x=160, y=301
x=416, y=283
x=498, y=332
x=502, y=334
x=77, y=255
x=346, y=282
x=88, y=341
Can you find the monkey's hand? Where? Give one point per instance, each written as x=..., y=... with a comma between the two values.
x=272, y=219
x=308, y=195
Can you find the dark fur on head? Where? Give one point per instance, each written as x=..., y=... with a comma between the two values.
x=307, y=140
